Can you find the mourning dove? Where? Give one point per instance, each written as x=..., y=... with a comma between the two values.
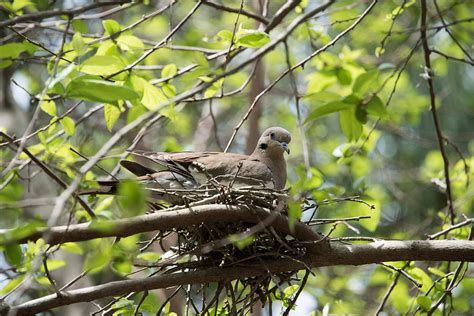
x=185, y=170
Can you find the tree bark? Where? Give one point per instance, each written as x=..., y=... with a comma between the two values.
x=336, y=254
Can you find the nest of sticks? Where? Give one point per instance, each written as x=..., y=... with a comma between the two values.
x=225, y=244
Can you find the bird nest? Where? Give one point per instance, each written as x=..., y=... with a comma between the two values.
x=251, y=240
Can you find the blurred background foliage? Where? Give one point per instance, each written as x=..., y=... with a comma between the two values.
x=363, y=106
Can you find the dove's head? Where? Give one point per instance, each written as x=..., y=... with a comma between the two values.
x=274, y=141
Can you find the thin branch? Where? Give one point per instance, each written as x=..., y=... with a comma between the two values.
x=467, y=222
x=452, y=57
x=446, y=28
x=160, y=43
x=429, y=77
x=406, y=275
x=249, y=14
x=48, y=14
x=304, y=61
x=51, y=174
x=389, y=291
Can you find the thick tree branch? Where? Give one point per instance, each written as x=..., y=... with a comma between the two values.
x=162, y=220
x=376, y=252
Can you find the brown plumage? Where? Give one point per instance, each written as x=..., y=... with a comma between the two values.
x=264, y=167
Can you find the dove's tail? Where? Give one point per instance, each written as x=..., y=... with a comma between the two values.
x=106, y=187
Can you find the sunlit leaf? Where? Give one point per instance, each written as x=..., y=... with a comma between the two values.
x=253, y=39
x=72, y=247
x=294, y=213
x=149, y=256
x=68, y=125
x=111, y=26
x=48, y=106
x=376, y=107
x=99, y=258
x=97, y=90
x=11, y=284
x=111, y=115
x=225, y=35
x=422, y=277
x=130, y=43
x=365, y=82
x=153, y=97
x=350, y=126
x=102, y=65
x=240, y=242
x=169, y=71
x=424, y=302
x=78, y=44
x=328, y=108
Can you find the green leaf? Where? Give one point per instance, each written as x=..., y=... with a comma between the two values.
x=96, y=90
x=111, y=115
x=79, y=26
x=379, y=51
x=225, y=35
x=328, y=108
x=132, y=197
x=99, y=258
x=68, y=125
x=48, y=106
x=424, y=302
x=152, y=96
x=149, y=256
x=12, y=50
x=111, y=26
x=365, y=82
x=323, y=96
x=253, y=39
x=376, y=107
x=169, y=71
x=422, y=277
x=135, y=112
x=78, y=44
x=13, y=254
x=212, y=90
x=350, y=126
x=72, y=247
x=20, y=4
x=344, y=76
x=169, y=90
x=130, y=43
x=21, y=231
x=436, y=271
x=122, y=268
x=102, y=65
x=122, y=303
x=12, y=284
x=294, y=213
x=290, y=291
x=240, y=242
x=5, y=63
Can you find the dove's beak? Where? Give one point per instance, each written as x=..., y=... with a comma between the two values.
x=285, y=147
